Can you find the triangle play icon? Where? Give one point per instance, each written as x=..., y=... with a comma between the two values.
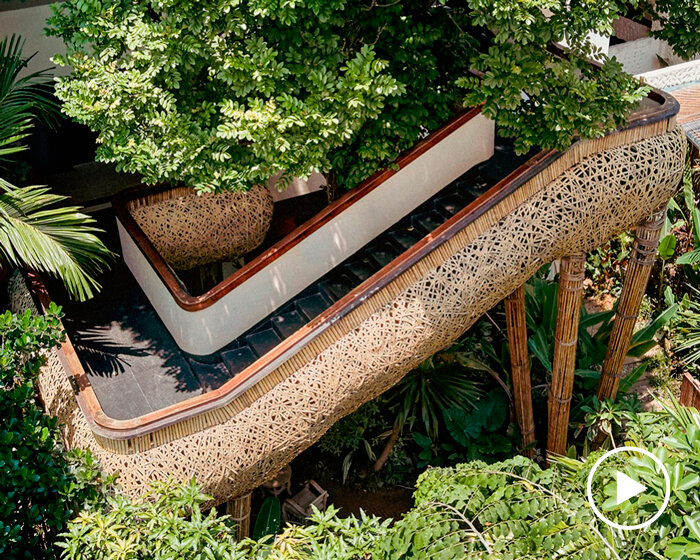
x=626, y=487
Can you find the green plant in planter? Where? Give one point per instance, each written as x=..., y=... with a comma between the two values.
x=218, y=94
x=223, y=94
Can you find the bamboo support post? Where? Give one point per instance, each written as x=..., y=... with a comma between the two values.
x=520, y=367
x=646, y=242
x=239, y=510
x=569, y=298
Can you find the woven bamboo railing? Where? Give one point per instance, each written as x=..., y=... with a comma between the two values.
x=520, y=367
x=571, y=205
x=646, y=242
x=571, y=279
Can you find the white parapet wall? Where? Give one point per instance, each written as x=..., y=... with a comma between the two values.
x=28, y=19
x=211, y=328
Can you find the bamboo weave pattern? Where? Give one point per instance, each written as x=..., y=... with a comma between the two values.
x=192, y=230
x=569, y=297
x=608, y=192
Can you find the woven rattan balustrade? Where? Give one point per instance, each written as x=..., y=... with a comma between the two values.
x=234, y=438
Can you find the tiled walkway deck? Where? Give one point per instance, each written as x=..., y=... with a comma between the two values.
x=133, y=363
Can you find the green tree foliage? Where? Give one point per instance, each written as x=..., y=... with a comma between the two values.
x=165, y=523
x=41, y=487
x=506, y=510
x=221, y=94
x=540, y=98
x=679, y=23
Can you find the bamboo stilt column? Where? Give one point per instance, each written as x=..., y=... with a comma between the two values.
x=239, y=510
x=569, y=298
x=646, y=242
x=520, y=366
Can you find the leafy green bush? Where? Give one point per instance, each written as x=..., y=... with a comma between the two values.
x=674, y=437
x=222, y=94
x=535, y=96
x=40, y=487
x=679, y=22
x=605, y=265
x=165, y=523
x=325, y=537
x=514, y=509
x=686, y=330
x=502, y=511
x=437, y=384
x=474, y=435
x=348, y=433
x=505, y=510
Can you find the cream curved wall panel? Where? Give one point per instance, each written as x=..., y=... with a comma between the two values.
x=208, y=330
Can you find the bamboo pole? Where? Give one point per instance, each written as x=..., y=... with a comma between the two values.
x=239, y=510
x=520, y=367
x=569, y=296
x=646, y=242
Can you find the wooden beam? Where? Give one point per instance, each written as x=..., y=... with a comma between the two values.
x=642, y=259
x=520, y=367
x=571, y=279
x=690, y=391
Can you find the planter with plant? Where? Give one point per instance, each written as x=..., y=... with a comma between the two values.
x=219, y=98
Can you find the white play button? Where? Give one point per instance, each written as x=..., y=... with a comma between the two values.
x=626, y=487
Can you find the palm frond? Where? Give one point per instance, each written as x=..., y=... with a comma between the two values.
x=60, y=241
x=23, y=99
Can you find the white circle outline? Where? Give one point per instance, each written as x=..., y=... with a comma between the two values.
x=589, y=490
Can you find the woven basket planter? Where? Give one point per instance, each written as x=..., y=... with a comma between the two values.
x=190, y=230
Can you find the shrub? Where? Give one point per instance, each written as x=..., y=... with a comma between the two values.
x=506, y=510
x=223, y=94
x=348, y=433
x=679, y=23
x=41, y=487
x=166, y=522
x=514, y=509
x=535, y=96
x=219, y=95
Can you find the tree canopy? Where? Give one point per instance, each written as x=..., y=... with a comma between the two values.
x=222, y=94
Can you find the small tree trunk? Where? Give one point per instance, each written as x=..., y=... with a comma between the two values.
x=388, y=448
